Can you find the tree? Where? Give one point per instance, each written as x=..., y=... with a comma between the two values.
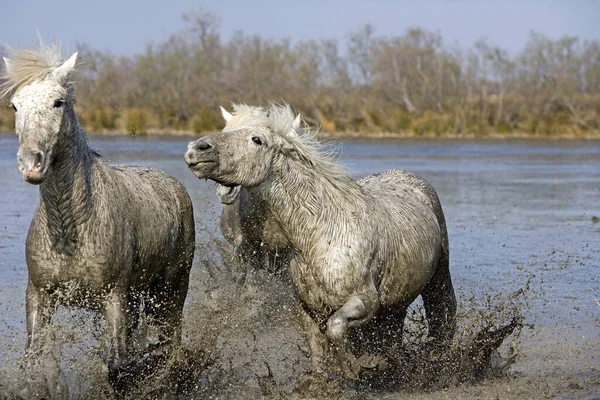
x=360, y=51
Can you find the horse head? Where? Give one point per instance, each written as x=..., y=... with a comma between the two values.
x=244, y=152
x=42, y=96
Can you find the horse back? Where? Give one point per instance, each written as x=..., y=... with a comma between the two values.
x=162, y=212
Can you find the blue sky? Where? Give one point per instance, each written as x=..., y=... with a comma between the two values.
x=126, y=27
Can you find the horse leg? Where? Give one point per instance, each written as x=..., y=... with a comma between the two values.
x=48, y=379
x=439, y=301
x=38, y=308
x=357, y=310
x=384, y=336
x=115, y=311
x=317, y=342
x=133, y=319
x=168, y=309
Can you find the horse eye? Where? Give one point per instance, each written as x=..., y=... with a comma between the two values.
x=58, y=103
x=257, y=140
x=13, y=106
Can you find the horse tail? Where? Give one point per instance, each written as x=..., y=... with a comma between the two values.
x=438, y=296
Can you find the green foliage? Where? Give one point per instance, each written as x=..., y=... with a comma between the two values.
x=398, y=120
x=135, y=121
x=206, y=121
x=432, y=123
x=503, y=127
x=99, y=119
x=7, y=119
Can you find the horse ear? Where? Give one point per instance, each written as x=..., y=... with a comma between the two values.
x=297, y=122
x=295, y=125
x=6, y=63
x=62, y=73
x=226, y=114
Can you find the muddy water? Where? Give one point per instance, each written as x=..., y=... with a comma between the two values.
x=515, y=210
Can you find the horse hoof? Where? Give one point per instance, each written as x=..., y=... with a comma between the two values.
x=336, y=329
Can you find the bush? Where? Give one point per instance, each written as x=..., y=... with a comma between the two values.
x=7, y=119
x=99, y=119
x=135, y=121
x=327, y=125
x=432, y=123
x=205, y=120
x=398, y=120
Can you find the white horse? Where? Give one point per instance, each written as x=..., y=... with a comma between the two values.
x=247, y=223
x=363, y=250
x=122, y=236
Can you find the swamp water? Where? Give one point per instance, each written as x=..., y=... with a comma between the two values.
x=524, y=236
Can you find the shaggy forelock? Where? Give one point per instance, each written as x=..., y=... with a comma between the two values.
x=245, y=115
x=29, y=65
x=280, y=120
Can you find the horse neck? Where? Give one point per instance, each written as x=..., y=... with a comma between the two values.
x=307, y=204
x=66, y=193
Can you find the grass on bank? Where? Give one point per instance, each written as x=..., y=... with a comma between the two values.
x=467, y=122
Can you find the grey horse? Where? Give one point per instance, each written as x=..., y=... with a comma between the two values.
x=115, y=237
x=363, y=250
x=247, y=223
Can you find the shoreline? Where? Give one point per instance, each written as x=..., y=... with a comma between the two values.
x=591, y=135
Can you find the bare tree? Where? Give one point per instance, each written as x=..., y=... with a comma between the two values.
x=360, y=51
x=550, y=85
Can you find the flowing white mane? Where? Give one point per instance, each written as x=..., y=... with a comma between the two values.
x=280, y=119
x=29, y=65
x=245, y=115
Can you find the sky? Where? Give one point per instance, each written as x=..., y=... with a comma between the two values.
x=127, y=27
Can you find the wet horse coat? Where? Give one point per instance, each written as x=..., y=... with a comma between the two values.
x=102, y=237
x=247, y=223
x=363, y=251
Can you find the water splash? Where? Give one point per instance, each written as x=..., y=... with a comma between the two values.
x=241, y=338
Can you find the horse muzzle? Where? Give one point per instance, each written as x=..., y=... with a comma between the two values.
x=201, y=157
x=33, y=164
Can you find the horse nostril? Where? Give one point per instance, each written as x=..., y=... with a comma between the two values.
x=38, y=160
x=31, y=159
x=202, y=145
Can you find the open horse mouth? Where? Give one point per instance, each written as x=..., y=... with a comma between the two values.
x=228, y=194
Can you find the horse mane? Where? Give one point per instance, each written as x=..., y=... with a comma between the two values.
x=303, y=141
x=29, y=65
x=245, y=115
